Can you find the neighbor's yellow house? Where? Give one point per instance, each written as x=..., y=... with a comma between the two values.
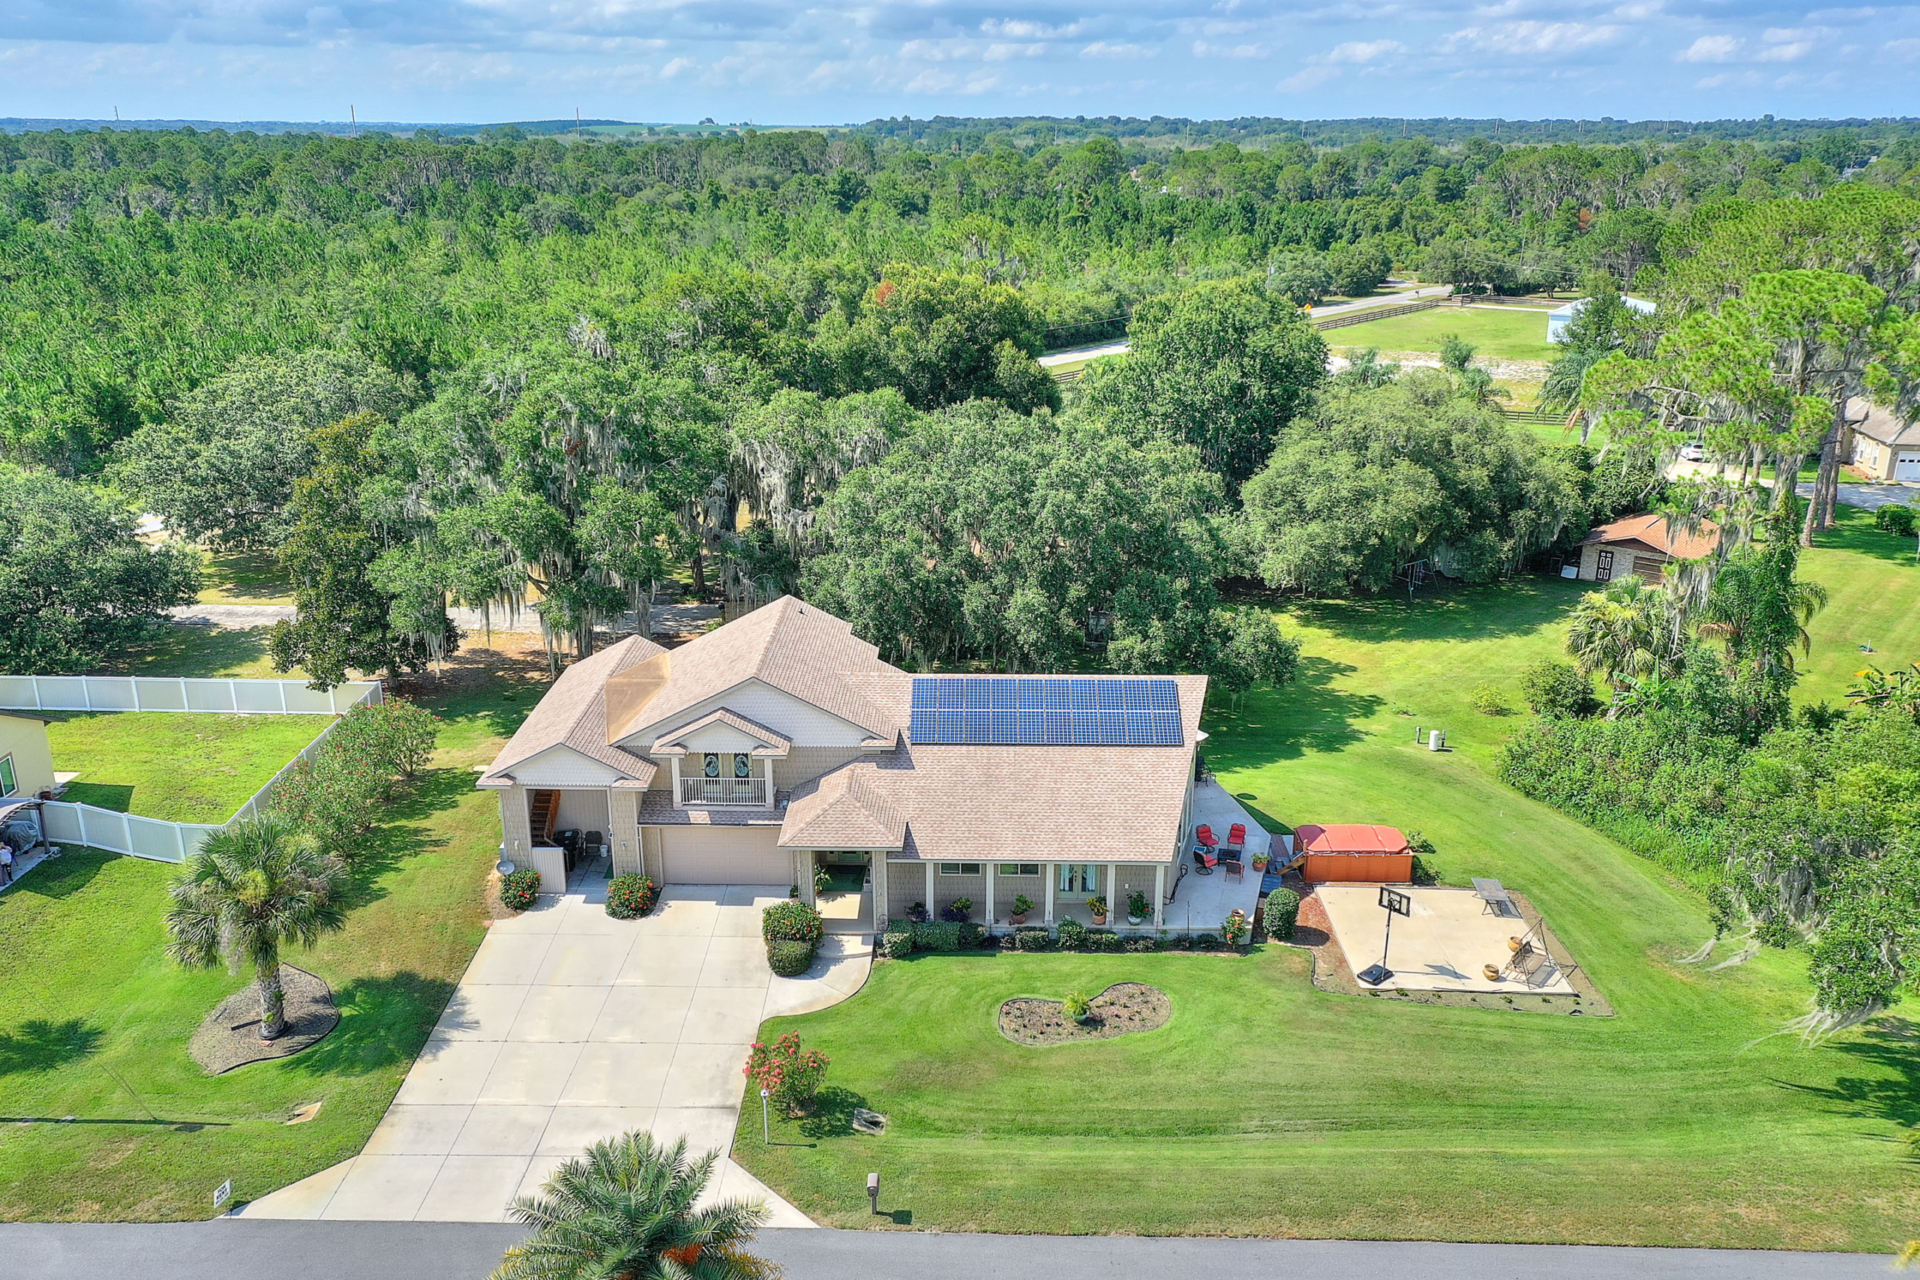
x=26, y=761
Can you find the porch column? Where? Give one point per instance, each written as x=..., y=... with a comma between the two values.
x=932, y=912
x=1050, y=870
x=1112, y=894
x=1160, y=895
x=991, y=868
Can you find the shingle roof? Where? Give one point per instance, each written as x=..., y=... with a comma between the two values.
x=1651, y=530
x=791, y=646
x=573, y=715
x=1870, y=420
x=778, y=744
x=843, y=810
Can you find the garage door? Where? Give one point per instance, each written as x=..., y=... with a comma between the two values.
x=725, y=855
x=1907, y=469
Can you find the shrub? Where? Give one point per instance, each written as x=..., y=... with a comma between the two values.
x=1073, y=935
x=1141, y=945
x=394, y=734
x=973, y=937
x=1102, y=940
x=1022, y=904
x=334, y=795
x=1281, y=913
x=1558, y=690
x=896, y=945
x=1236, y=928
x=1032, y=940
x=1488, y=700
x=789, y=959
x=917, y=912
x=630, y=896
x=791, y=1075
x=1207, y=942
x=517, y=891
x=1077, y=1006
x=792, y=921
x=1891, y=519
x=931, y=935
x=959, y=911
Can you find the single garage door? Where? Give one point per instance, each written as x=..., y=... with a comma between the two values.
x=725, y=855
x=1907, y=469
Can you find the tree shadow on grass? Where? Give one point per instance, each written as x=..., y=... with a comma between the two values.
x=1853, y=532
x=62, y=877
x=1893, y=1093
x=101, y=795
x=1311, y=714
x=1519, y=607
x=40, y=1044
x=832, y=1114
x=383, y=1021
x=179, y=650
x=404, y=828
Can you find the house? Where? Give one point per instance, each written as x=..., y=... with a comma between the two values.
x=780, y=743
x=1642, y=544
x=26, y=761
x=1560, y=317
x=1884, y=448
x=1345, y=853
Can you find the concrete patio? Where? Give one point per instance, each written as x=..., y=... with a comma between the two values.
x=1440, y=947
x=1201, y=902
x=570, y=1026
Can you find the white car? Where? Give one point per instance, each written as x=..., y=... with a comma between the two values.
x=1693, y=451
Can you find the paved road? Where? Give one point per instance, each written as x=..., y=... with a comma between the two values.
x=249, y=1249
x=1868, y=497
x=668, y=619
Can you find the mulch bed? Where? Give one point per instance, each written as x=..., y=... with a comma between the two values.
x=1122, y=1009
x=230, y=1035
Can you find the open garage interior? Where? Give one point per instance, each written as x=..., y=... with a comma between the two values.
x=725, y=855
x=1448, y=941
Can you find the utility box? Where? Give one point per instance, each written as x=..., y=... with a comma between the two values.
x=1435, y=739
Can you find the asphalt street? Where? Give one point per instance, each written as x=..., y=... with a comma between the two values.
x=249, y=1249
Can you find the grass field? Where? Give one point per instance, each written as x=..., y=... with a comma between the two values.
x=94, y=1020
x=1873, y=584
x=242, y=577
x=199, y=651
x=183, y=767
x=1506, y=333
x=1268, y=1107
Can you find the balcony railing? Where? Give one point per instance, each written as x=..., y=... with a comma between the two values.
x=744, y=793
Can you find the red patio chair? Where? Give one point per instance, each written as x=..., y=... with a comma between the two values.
x=1203, y=861
x=1237, y=837
x=1204, y=837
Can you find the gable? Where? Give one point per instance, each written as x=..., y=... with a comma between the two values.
x=562, y=766
x=763, y=704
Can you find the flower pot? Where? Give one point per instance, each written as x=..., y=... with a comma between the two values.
x=1135, y=920
x=1100, y=919
x=1017, y=918
x=1490, y=973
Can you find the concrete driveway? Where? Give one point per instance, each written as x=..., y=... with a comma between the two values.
x=571, y=1026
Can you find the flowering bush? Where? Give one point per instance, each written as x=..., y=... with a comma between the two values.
x=631, y=896
x=332, y=796
x=959, y=911
x=1236, y=928
x=792, y=922
x=791, y=1075
x=517, y=891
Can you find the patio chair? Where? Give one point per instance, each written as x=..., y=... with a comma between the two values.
x=1203, y=860
x=1204, y=837
x=1230, y=859
x=1236, y=838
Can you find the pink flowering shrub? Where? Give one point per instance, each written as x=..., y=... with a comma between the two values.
x=333, y=797
x=791, y=1075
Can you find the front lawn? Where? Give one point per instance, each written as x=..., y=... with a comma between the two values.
x=180, y=766
x=1505, y=333
x=94, y=1019
x=1268, y=1107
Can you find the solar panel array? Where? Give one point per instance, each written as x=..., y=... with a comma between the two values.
x=1045, y=711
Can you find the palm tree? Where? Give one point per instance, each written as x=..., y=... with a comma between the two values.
x=250, y=890
x=1626, y=632
x=624, y=1211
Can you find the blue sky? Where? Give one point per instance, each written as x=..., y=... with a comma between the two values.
x=845, y=60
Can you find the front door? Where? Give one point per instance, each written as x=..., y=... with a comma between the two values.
x=1603, y=566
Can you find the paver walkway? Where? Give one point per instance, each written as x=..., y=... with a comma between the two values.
x=571, y=1026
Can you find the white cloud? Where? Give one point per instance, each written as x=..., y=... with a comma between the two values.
x=1102, y=49
x=1787, y=45
x=675, y=67
x=1308, y=78
x=1712, y=49
x=1364, y=51
x=1007, y=52
x=1201, y=49
x=1533, y=38
x=1901, y=50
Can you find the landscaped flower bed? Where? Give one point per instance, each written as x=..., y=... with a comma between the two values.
x=1122, y=1009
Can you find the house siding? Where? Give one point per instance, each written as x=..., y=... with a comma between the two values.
x=515, y=826
x=623, y=831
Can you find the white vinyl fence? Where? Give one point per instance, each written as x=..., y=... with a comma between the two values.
x=162, y=841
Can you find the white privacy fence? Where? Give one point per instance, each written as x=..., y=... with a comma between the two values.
x=152, y=837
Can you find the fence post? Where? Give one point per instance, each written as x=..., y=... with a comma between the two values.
x=282, y=686
x=180, y=840
x=233, y=696
x=36, y=692
x=86, y=690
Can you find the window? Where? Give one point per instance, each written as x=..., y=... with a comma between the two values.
x=7, y=779
x=1019, y=868
x=742, y=765
x=1079, y=877
x=959, y=868
x=711, y=764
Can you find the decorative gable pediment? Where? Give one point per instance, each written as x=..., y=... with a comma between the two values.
x=721, y=730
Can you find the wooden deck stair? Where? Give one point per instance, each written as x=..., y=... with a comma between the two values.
x=541, y=815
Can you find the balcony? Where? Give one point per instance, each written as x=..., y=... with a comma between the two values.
x=727, y=793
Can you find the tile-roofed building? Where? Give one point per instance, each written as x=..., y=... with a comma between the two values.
x=780, y=746
x=1643, y=545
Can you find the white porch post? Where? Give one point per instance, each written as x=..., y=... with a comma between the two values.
x=1112, y=891
x=932, y=914
x=1160, y=895
x=991, y=869
x=1051, y=871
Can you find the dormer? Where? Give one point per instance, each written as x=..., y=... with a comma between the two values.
x=722, y=760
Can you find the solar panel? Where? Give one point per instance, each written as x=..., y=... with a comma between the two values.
x=1050, y=711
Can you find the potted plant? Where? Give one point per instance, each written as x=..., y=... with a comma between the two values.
x=918, y=913
x=959, y=911
x=1022, y=904
x=1078, y=1007
x=1260, y=861
x=1236, y=928
x=1097, y=905
x=822, y=880
x=1137, y=908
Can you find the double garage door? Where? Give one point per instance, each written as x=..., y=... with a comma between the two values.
x=725, y=855
x=1906, y=468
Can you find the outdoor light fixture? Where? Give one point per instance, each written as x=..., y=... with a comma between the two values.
x=1395, y=903
x=766, y=1125
x=873, y=1191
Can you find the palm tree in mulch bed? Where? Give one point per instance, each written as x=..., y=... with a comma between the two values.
x=624, y=1211
x=251, y=889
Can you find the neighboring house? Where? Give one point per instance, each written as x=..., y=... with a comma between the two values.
x=26, y=761
x=1641, y=544
x=1883, y=447
x=1560, y=317
x=780, y=742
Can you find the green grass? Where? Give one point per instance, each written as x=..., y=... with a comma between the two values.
x=1507, y=333
x=183, y=767
x=1873, y=585
x=243, y=577
x=1268, y=1107
x=198, y=651
x=94, y=1020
